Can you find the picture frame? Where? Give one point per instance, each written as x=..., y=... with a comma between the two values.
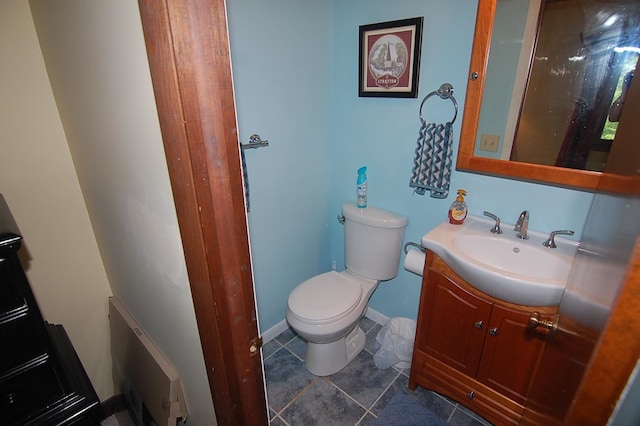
x=389, y=64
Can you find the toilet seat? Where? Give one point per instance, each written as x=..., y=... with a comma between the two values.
x=325, y=298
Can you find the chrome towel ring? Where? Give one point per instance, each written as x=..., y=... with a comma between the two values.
x=445, y=92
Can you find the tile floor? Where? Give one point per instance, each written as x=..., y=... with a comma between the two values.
x=353, y=396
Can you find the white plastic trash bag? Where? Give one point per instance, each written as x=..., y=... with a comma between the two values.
x=396, y=343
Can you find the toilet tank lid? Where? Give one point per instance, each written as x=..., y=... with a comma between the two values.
x=373, y=216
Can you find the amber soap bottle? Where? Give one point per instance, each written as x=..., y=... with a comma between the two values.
x=458, y=209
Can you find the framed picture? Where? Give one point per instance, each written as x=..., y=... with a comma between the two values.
x=390, y=58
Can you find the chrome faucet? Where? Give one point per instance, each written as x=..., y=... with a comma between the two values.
x=496, y=228
x=522, y=225
x=551, y=242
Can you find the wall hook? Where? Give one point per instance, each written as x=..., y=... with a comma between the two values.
x=255, y=142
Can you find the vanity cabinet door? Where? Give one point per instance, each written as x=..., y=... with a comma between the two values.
x=511, y=353
x=474, y=348
x=455, y=324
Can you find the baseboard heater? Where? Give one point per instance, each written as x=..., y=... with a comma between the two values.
x=141, y=373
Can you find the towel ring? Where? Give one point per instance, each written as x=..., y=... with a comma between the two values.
x=445, y=92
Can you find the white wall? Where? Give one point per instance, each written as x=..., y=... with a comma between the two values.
x=39, y=182
x=97, y=64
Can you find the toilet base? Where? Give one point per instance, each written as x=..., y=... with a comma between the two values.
x=324, y=359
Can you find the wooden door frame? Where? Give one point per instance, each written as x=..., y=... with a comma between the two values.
x=188, y=51
x=618, y=349
x=615, y=356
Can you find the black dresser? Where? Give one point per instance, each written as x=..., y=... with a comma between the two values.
x=42, y=381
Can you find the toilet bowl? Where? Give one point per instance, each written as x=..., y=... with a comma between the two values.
x=325, y=310
x=330, y=323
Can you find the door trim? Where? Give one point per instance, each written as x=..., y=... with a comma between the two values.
x=615, y=357
x=188, y=51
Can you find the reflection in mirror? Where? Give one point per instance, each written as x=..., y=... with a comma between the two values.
x=553, y=96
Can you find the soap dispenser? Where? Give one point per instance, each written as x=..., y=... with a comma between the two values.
x=458, y=209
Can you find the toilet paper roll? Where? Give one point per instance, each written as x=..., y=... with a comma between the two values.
x=414, y=261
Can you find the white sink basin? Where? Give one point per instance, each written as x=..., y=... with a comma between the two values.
x=506, y=267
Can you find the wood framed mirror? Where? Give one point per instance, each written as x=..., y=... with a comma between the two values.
x=577, y=55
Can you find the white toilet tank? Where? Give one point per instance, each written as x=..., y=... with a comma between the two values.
x=372, y=241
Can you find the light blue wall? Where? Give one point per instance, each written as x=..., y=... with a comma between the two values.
x=295, y=68
x=381, y=134
x=281, y=57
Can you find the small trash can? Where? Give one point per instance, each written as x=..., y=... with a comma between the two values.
x=396, y=339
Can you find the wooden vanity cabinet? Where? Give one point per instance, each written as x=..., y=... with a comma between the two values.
x=474, y=348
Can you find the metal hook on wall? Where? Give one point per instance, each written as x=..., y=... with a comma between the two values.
x=255, y=142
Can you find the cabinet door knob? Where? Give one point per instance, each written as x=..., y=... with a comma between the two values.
x=535, y=321
x=478, y=324
x=493, y=331
x=471, y=394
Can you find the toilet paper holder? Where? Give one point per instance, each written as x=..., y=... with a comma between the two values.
x=416, y=245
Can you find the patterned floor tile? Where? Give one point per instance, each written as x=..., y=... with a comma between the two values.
x=353, y=396
x=277, y=422
x=363, y=380
x=298, y=346
x=366, y=324
x=368, y=420
x=286, y=336
x=286, y=377
x=438, y=405
x=270, y=348
x=323, y=404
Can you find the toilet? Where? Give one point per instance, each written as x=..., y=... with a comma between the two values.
x=325, y=310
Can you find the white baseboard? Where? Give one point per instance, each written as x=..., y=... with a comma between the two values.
x=274, y=331
x=277, y=329
x=376, y=316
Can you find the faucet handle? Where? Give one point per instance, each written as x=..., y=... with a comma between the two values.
x=551, y=242
x=496, y=228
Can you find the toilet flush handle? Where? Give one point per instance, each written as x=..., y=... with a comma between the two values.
x=341, y=219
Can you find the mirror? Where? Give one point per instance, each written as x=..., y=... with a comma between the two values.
x=548, y=81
